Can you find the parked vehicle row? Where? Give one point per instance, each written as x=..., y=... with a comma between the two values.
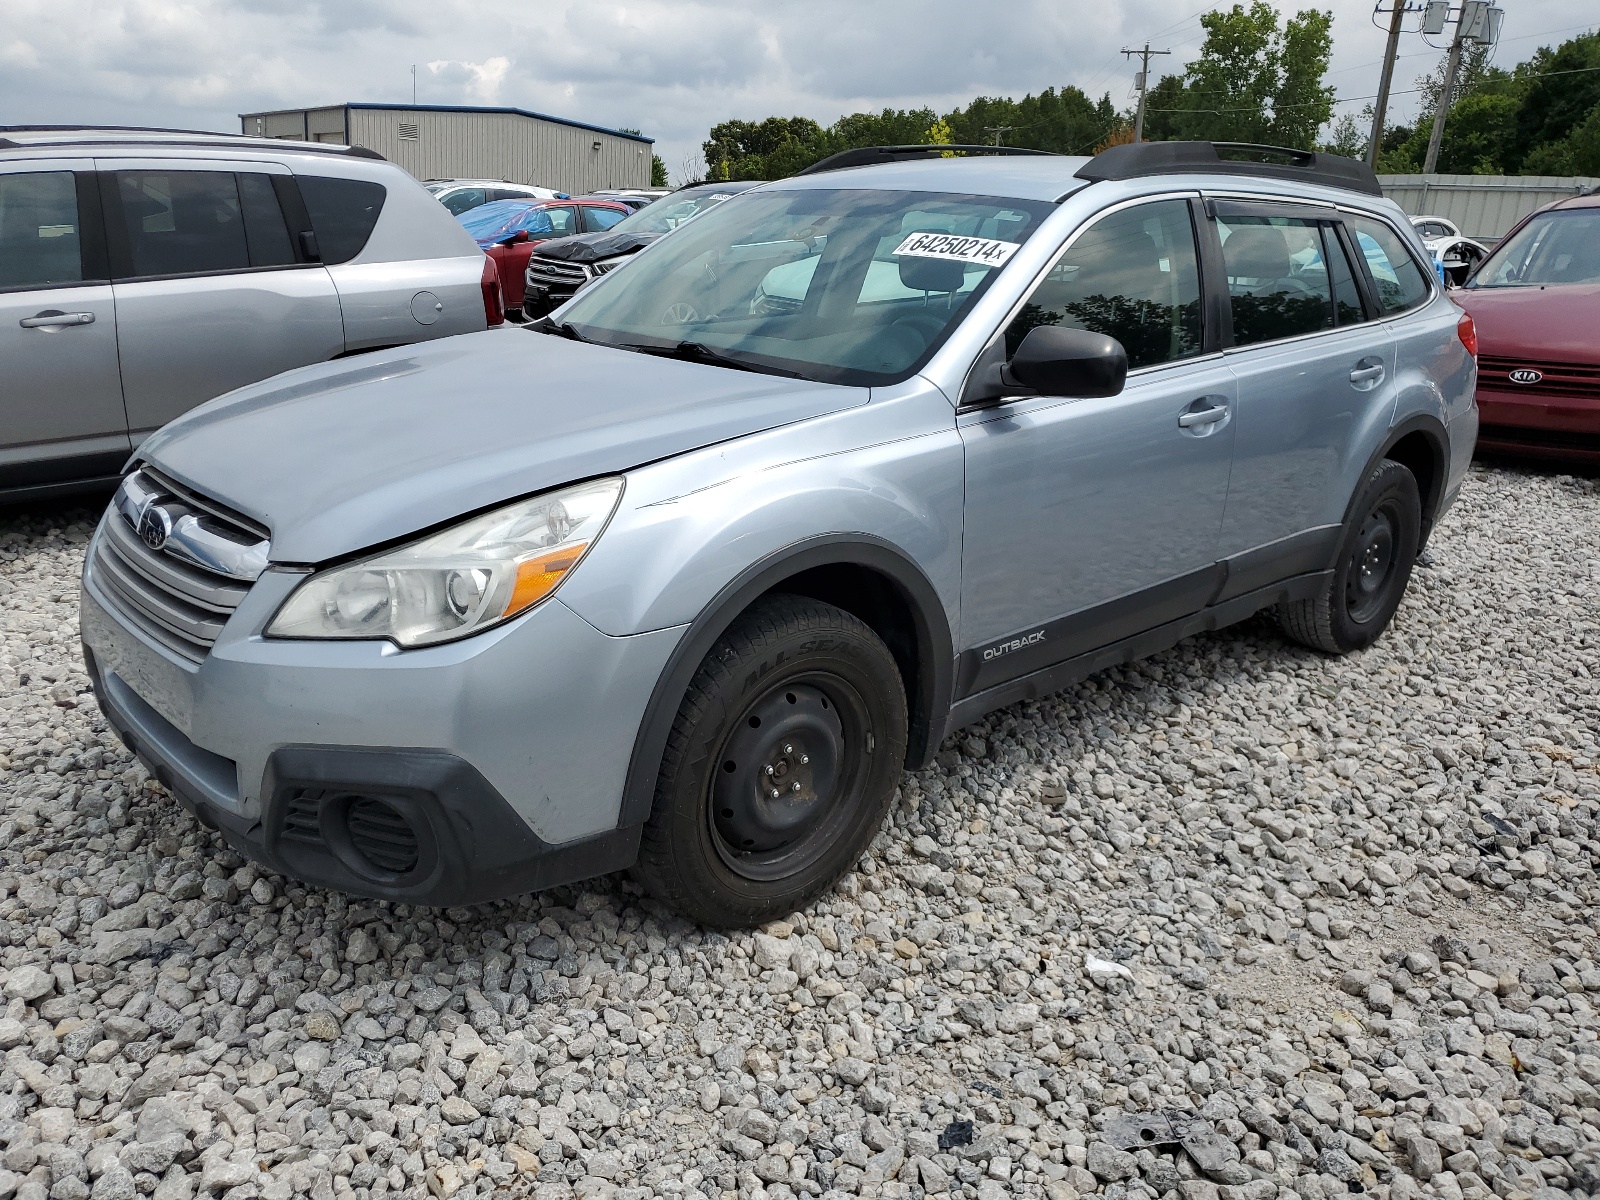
x=463, y=195
x=508, y=231
x=1457, y=256
x=682, y=576
x=142, y=274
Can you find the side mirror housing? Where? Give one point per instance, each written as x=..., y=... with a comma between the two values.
x=1051, y=361
x=517, y=238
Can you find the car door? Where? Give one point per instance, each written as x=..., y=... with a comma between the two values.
x=61, y=414
x=1315, y=379
x=1091, y=520
x=212, y=290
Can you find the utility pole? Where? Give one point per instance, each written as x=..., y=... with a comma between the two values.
x=998, y=130
x=413, y=85
x=1143, y=83
x=1451, y=65
x=1397, y=16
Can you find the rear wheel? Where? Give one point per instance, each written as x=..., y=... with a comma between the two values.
x=780, y=766
x=1376, y=554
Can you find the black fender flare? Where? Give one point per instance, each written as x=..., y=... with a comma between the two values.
x=930, y=708
x=1439, y=439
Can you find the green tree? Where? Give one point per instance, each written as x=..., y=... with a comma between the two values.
x=1562, y=99
x=1350, y=134
x=658, y=172
x=1255, y=80
x=766, y=149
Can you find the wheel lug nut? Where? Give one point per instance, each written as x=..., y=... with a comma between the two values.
x=773, y=793
x=788, y=749
x=769, y=768
x=804, y=759
x=794, y=787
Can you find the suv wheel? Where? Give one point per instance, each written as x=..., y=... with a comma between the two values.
x=780, y=766
x=1379, y=546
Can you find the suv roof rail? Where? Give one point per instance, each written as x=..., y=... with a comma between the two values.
x=866, y=156
x=1134, y=160
x=213, y=138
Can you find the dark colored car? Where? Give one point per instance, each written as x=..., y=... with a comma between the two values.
x=561, y=266
x=1536, y=303
x=508, y=230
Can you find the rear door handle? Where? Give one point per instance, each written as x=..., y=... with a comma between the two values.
x=1206, y=416
x=52, y=319
x=1367, y=373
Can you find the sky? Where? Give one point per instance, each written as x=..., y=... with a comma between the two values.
x=671, y=68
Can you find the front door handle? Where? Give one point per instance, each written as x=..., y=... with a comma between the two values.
x=1367, y=374
x=1206, y=416
x=55, y=319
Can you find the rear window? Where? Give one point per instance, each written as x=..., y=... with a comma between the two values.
x=343, y=213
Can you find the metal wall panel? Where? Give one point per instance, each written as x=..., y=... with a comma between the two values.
x=1483, y=207
x=507, y=146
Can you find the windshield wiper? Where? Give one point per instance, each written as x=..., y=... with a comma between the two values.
x=701, y=353
x=561, y=329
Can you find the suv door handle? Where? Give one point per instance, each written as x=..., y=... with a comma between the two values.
x=1367, y=374
x=52, y=319
x=1205, y=416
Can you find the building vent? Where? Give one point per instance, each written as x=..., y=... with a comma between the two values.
x=409, y=132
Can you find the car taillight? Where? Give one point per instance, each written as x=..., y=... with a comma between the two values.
x=1468, y=333
x=494, y=304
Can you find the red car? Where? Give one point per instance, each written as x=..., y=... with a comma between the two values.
x=1536, y=304
x=508, y=230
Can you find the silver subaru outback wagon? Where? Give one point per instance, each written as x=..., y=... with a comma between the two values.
x=683, y=576
x=143, y=272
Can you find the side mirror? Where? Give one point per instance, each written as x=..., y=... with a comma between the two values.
x=517, y=238
x=1056, y=361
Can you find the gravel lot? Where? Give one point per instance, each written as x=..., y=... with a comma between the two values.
x=1342, y=909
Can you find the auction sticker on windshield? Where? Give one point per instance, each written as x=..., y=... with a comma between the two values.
x=985, y=252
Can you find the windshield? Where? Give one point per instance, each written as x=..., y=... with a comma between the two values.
x=666, y=214
x=499, y=219
x=853, y=287
x=1562, y=246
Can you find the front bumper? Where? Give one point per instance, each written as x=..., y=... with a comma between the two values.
x=505, y=753
x=1554, y=427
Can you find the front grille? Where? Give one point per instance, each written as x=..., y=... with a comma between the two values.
x=1568, y=381
x=1557, y=440
x=556, y=275
x=181, y=592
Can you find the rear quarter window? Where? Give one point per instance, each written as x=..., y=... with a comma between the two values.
x=1399, y=280
x=343, y=213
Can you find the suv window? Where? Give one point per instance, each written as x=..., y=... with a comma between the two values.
x=181, y=222
x=265, y=230
x=597, y=220
x=460, y=201
x=563, y=221
x=1279, y=284
x=1134, y=276
x=343, y=214
x=1400, y=281
x=39, y=230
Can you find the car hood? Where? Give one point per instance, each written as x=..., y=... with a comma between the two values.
x=355, y=453
x=1554, y=322
x=592, y=247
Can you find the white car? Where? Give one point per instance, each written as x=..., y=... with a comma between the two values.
x=1457, y=254
x=460, y=195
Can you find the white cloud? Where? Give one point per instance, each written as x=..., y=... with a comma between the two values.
x=669, y=67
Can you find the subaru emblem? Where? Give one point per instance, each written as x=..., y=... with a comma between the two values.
x=155, y=527
x=1526, y=375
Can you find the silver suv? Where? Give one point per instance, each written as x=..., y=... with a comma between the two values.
x=142, y=273
x=685, y=575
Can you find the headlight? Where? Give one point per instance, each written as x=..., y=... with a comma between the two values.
x=610, y=264
x=459, y=582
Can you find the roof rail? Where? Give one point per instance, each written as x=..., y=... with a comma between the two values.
x=1134, y=160
x=866, y=156
x=210, y=138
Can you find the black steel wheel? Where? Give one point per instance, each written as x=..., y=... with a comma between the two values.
x=1382, y=535
x=780, y=767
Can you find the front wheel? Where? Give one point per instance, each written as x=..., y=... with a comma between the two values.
x=780, y=766
x=1376, y=553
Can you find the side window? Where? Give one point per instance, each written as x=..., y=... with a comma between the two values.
x=1346, y=296
x=1400, y=281
x=1278, y=278
x=1134, y=276
x=181, y=222
x=343, y=214
x=265, y=231
x=599, y=219
x=562, y=221
x=39, y=244
x=467, y=198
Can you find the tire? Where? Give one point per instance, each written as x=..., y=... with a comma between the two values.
x=1376, y=552
x=797, y=697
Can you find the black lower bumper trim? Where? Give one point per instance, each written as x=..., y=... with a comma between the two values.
x=415, y=826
